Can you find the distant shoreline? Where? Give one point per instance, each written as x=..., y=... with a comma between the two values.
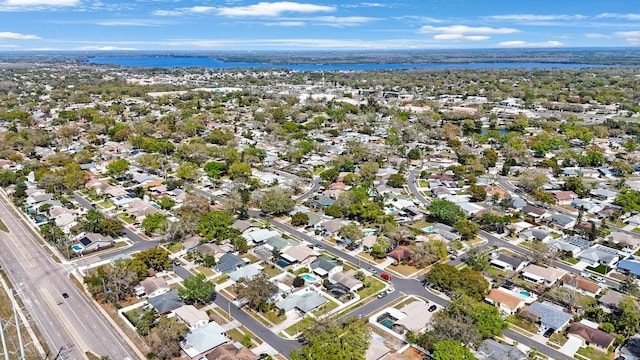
x=169, y=62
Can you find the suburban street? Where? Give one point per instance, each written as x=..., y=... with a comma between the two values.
x=71, y=322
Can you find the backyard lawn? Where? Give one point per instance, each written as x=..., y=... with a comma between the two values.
x=371, y=287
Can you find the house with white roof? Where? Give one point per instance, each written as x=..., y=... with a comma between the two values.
x=542, y=275
x=199, y=342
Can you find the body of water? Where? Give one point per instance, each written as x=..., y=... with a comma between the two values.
x=168, y=62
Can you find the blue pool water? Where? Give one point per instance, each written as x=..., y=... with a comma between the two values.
x=77, y=247
x=525, y=293
x=309, y=277
x=283, y=263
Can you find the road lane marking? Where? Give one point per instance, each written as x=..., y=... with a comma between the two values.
x=78, y=339
x=20, y=247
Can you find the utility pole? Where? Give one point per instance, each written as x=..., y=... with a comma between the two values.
x=15, y=314
x=4, y=341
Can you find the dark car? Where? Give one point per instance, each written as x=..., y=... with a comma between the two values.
x=432, y=308
x=549, y=332
x=65, y=295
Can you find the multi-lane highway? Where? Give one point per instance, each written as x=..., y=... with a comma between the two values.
x=70, y=322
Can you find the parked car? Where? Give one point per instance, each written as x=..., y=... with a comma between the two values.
x=372, y=270
x=360, y=316
x=549, y=332
x=432, y=308
x=390, y=290
x=382, y=294
x=385, y=276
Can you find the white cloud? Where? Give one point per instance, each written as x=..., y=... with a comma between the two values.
x=299, y=43
x=632, y=37
x=596, y=36
x=343, y=21
x=41, y=2
x=461, y=37
x=103, y=48
x=201, y=9
x=286, y=23
x=619, y=16
x=15, y=36
x=273, y=9
x=522, y=44
x=138, y=22
x=535, y=17
x=464, y=33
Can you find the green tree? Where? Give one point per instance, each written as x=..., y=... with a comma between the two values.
x=91, y=221
x=397, y=180
x=477, y=192
x=369, y=170
x=155, y=258
x=334, y=210
x=330, y=175
x=165, y=337
x=166, y=203
x=351, y=232
x=276, y=202
x=110, y=227
x=299, y=219
x=576, y=185
x=197, y=290
x=118, y=168
x=466, y=228
x=445, y=211
x=298, y=281
x=154, y=223
x=334, y=342
x=451, y=350
x=255, y=292
x=240, y=171
x=215, y=169
x=489, y=158
x=414, y=153
x=188, y=171
x=216, y=225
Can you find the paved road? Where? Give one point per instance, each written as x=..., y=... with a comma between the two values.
x=492, y=241
x=72, y=321
x=139, y=244
x=316, y=185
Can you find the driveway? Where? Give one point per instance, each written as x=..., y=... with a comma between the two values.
x=571, y=346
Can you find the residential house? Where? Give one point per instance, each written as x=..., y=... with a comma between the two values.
x=581, y=285
x=154, y=286
x=243, y=225
x=229, y=351
x=572, y=245
x=624, y=240
x=368, y=242
x=331, y=227
x=348, y=280
x=306, y=302
x=246, y=272
x=606, y=195
x=600, y=255
x=215, y=250
x=200, y=342
x=541, y=275
x=589, y=336
x=549, y=315
x=629, y=266
x=191, y=316
x=322, y=202
x=94, y=242
x=611, y=300
x=166, y=302
x=565, y=197
x=325, y=267
x=563, y=221
x=300, y=254
x=229, y=262
x=259, y=236
x=417, y=316
x=508, y=262
x=490, y=349
x=504, y=301
x=400, y=254
x=534, y=211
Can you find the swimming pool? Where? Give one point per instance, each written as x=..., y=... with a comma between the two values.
x=77, y=248
x=309, y=278
x=387, y=323
x=283, y=263
x=525, y=293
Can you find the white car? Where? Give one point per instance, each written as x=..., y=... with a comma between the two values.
x=390, y=290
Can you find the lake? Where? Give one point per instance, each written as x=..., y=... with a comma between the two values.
x=168, y=62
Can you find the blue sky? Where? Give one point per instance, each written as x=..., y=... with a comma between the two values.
x=315, y=24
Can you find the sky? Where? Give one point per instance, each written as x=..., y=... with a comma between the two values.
x=316, y=24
